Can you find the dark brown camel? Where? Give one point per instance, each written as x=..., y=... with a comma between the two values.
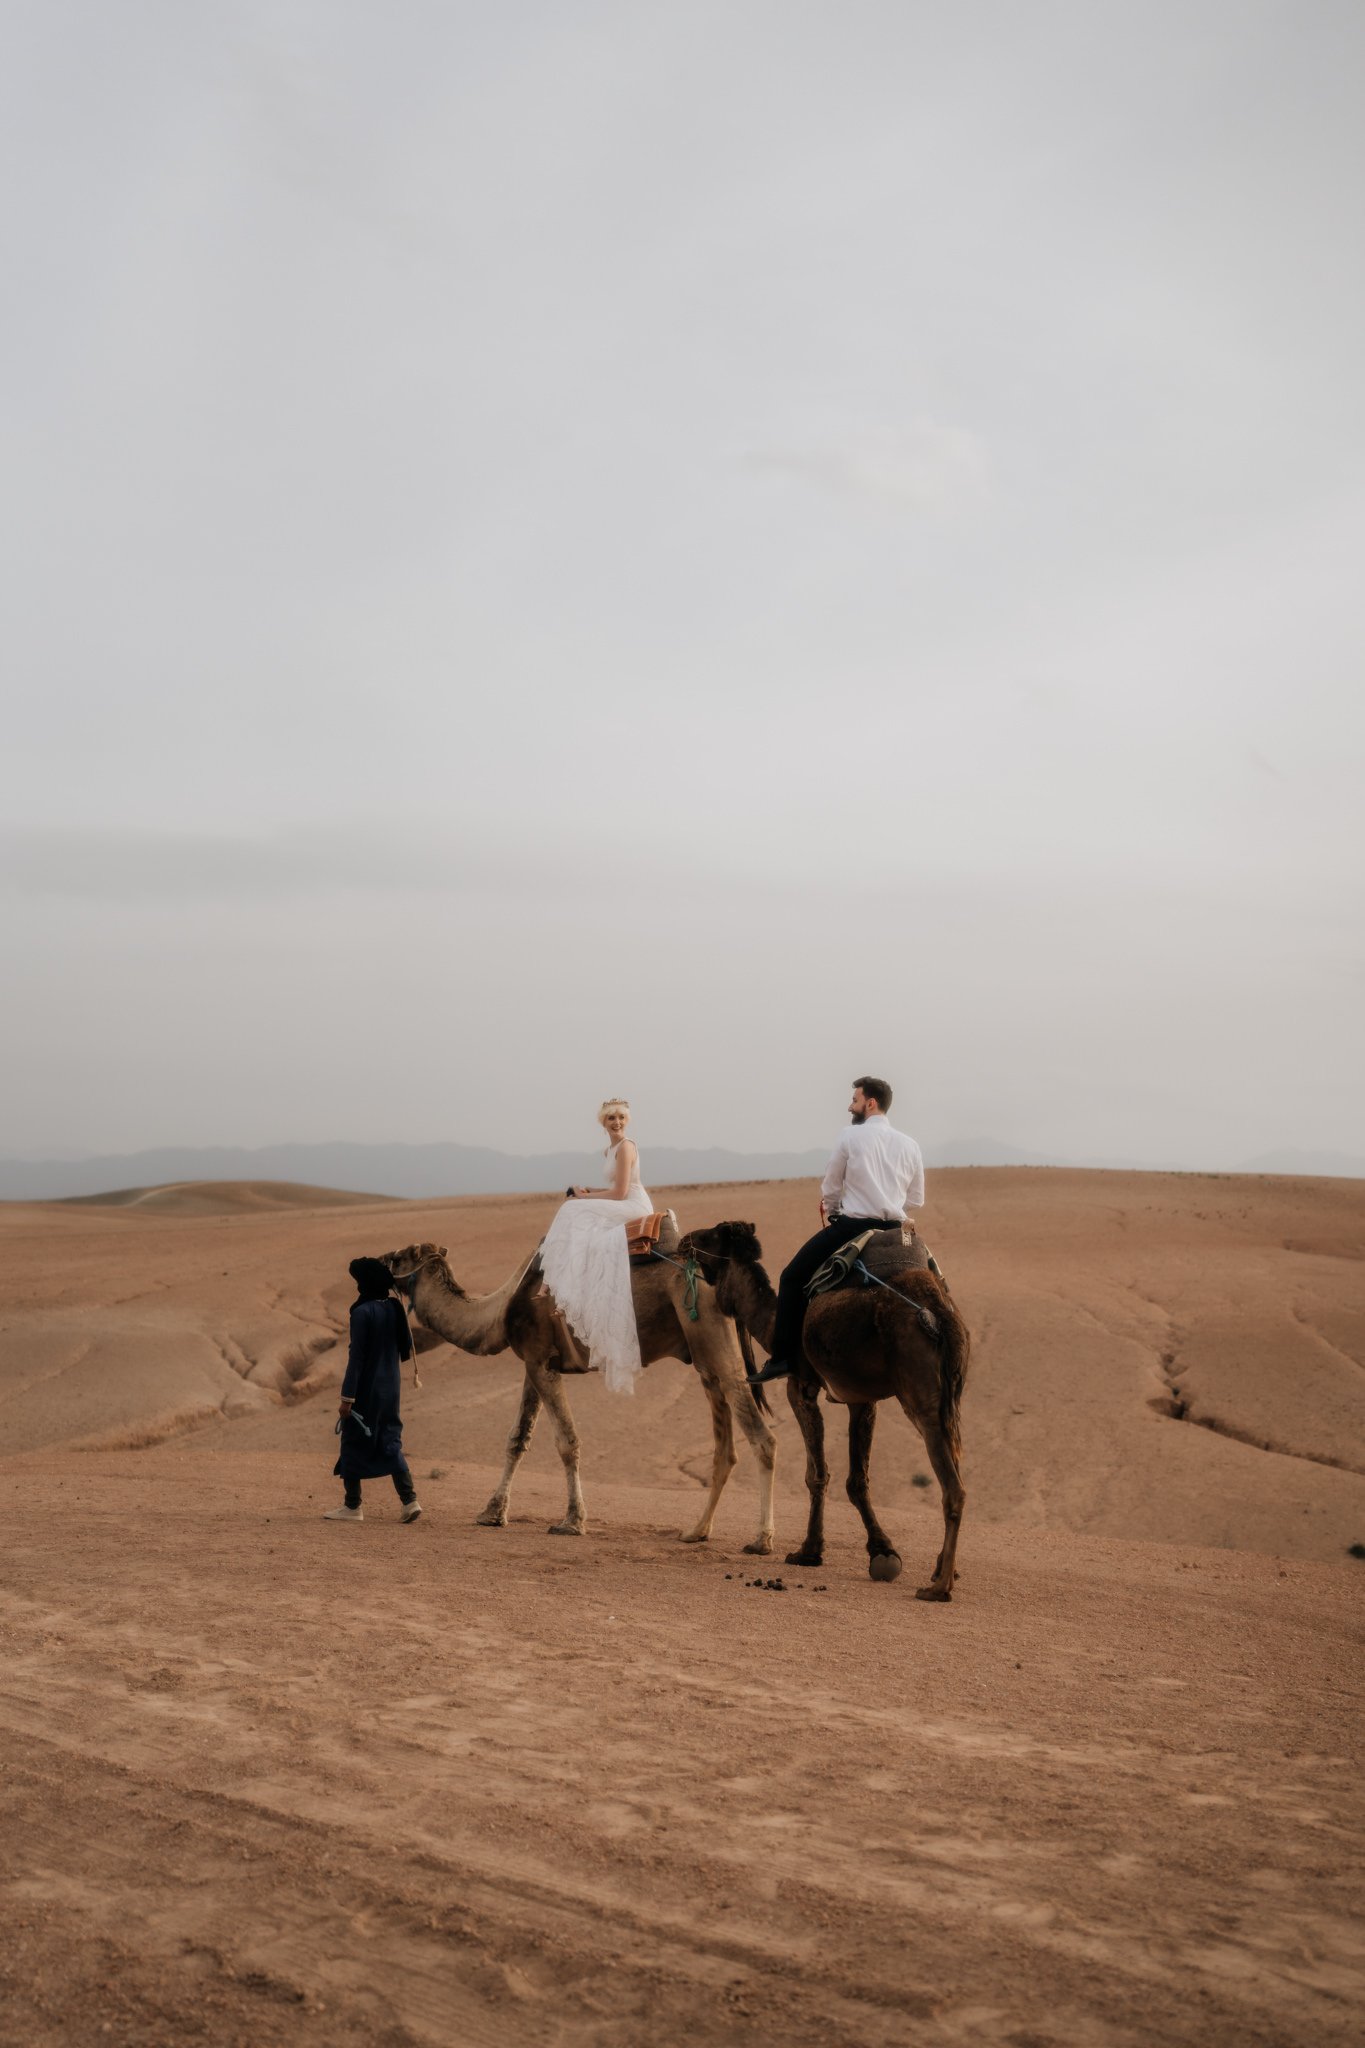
x=903, y=1341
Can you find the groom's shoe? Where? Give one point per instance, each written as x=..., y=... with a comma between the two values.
x=775, y=1369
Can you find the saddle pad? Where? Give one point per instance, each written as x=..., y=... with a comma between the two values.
x=648, y=1233
x=887, y=1256
x=882, y=1251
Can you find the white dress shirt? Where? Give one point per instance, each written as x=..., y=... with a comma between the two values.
x=874, y=1171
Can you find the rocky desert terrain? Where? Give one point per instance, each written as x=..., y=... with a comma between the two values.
x=270, y=1779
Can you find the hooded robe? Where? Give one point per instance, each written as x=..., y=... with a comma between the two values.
x=374, y=1373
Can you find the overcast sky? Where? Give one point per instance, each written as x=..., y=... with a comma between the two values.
x=686, y=551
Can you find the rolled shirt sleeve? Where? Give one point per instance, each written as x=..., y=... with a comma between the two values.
x=832, y=1186
x=914, y=1195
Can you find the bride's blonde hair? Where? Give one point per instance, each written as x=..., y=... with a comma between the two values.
x=613, y=1102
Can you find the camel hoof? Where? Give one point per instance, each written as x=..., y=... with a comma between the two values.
x=493, y=1517
x=932, y=1593
x=806, y=1557
x=762, y=1546
x=884, y=1566
x=565, y=1529
x=695, y=1536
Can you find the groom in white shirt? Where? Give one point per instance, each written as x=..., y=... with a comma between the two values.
x=874, y=1177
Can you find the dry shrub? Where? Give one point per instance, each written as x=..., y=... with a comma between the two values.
x=141, y=1436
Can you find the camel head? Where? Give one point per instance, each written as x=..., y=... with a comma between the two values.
x=721, y=1245
x=405, y=1262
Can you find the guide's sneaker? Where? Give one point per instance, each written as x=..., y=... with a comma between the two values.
x=344, y=1515
x=411, y=1510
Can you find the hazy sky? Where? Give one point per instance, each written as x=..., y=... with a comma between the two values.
x=688, y=551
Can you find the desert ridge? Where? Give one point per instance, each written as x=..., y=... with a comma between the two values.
x=1167, y=1357
x=222, y=1198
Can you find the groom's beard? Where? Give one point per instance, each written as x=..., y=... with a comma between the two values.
x=860, y=1116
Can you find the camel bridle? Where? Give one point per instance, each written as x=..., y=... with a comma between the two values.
x=405, y=1282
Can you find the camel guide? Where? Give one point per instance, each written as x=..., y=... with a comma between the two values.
x=368, y=1421
x=874, y=1177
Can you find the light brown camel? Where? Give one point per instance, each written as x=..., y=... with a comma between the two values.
x=514, y=1317
x=902, y=1341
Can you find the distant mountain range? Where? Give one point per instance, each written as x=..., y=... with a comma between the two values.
x=420, y=1171
x=413, y=1171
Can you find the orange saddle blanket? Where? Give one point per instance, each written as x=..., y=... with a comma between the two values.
x=643, y=1234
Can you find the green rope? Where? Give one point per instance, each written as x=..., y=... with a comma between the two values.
x=693, y=1272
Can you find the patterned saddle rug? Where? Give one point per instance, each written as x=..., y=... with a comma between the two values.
x=652, y=1233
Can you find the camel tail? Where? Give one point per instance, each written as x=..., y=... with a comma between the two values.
x=931, y=1303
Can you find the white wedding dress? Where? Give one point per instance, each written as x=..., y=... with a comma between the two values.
x=587, y=1270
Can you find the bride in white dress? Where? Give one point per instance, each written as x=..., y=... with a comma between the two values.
x=585, y=1261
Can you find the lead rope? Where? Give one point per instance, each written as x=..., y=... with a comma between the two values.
x=692, y=1271
x=412, y=1341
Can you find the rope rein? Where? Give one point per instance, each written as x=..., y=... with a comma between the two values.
x=692, y=1290
x=866, y=1274
x=405, y=1285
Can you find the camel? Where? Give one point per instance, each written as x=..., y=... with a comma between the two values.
x=903, y=1341
x=514, y=1315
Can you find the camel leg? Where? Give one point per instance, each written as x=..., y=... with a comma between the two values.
x=724, y=1459
x=556, y=1401
x=763, y=1443
x=494, y=1515
x=883, y=1557
x=811, y=1423
x=943, y=1456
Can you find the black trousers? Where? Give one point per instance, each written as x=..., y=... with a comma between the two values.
x=402, y=1479
x=791, y=1288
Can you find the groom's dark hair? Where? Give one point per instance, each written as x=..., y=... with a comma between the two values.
x=875, y=1090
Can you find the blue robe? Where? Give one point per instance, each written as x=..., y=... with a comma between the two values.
x=374, y=1374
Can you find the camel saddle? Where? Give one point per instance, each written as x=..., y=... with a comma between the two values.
x=649, y=1234
x=884, y=1253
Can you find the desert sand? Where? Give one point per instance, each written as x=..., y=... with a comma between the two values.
x=268, y=1779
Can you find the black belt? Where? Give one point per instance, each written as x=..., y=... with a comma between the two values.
x=873, y=1222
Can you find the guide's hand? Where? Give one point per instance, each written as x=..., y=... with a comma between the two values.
x=345, y=1408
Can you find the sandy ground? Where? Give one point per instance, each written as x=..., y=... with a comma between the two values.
x=270, y=1779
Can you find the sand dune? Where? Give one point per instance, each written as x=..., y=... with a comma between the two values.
x=272, y=1780
x=221, y=1198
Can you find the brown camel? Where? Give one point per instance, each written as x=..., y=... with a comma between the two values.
x=516, y=1316
x=902, y=1341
